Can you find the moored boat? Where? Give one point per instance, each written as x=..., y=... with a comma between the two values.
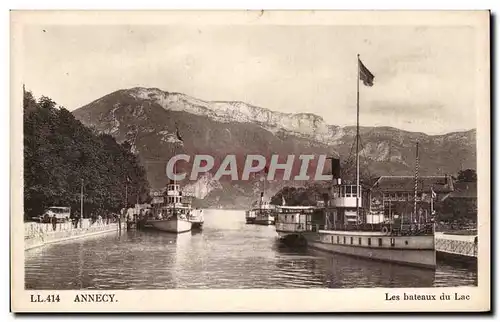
x=347, y=223
x=293, y=223
x=336, y=229
x=261, y=213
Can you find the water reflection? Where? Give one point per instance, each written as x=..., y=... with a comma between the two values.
x=227, y=254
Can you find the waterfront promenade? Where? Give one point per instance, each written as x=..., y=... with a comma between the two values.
x=40, y=234
x=458, y=245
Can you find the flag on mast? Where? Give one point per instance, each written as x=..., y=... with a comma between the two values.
x=365, y=75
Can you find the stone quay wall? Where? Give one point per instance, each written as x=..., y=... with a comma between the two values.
x=40, y=234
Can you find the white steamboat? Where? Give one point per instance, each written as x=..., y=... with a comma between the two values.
x=261, y=213
x=339, y=229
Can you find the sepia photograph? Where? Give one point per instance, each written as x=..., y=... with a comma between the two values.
x=259, y=151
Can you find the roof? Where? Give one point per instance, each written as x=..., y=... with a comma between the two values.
x=443, y=184
x=465, y=190
x=296, y=207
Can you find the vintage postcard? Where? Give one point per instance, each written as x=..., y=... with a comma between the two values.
x=250, y=161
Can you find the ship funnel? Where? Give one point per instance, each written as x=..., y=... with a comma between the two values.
x=336, y=170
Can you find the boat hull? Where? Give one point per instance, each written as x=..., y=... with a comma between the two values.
x=411, y=257
x=250, y=220
x=172, y=226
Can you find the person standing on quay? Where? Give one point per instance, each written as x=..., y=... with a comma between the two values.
x=54, y=222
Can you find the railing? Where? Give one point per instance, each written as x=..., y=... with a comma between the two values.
x=457, y=247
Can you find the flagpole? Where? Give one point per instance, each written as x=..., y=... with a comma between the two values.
x=357, y=144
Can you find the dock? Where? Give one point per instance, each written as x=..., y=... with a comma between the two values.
x=462, y=246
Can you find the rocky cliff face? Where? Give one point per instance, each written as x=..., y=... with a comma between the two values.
x=148, y=119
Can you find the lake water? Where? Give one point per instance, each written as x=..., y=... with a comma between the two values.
x=227, y=254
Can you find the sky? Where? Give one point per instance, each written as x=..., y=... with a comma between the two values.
x=424, y=76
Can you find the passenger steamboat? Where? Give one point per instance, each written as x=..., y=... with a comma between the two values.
x=174, y=214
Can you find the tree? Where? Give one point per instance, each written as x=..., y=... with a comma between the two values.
x=60, y=152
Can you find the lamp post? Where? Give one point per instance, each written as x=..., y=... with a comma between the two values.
x=81, y=202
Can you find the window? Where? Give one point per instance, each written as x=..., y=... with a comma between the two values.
x=380, y=241
x=352, y=240
x=338, y=239
x=406, y=242
x=344, y=239
x=393, y=242
x=332, y=239
x=359, y=241
x=369, y=241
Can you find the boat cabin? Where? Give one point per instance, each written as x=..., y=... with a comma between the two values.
x=175, y=202
x=348, y=207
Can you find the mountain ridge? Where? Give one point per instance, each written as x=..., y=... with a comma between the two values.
x=238, y=103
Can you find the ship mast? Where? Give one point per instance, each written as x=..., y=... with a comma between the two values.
x=357, y=144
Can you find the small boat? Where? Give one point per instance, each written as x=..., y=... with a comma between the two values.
x=264, y=214
x=293, y=221
x=250, y=216
x=174, y=214
x=261, y=213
